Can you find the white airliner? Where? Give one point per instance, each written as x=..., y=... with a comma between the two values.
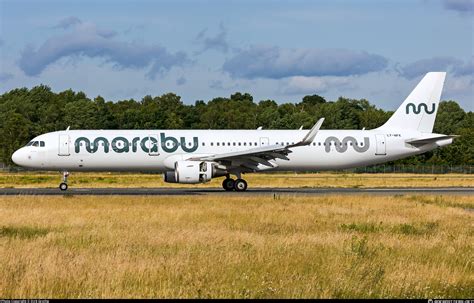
x=197, y=156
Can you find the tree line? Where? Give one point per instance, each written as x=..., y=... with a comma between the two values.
x=26, y=113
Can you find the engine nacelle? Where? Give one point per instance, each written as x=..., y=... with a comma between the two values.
x=192, y=172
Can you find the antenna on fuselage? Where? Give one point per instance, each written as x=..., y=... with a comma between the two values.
x=259, y=128
x=301, y=127
x=68, y=128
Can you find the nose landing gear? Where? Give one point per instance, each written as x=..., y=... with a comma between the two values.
x=63, y=185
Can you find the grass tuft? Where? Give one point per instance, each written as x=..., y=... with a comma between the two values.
x=410, y=229
x=22, y=232
x=362, y=227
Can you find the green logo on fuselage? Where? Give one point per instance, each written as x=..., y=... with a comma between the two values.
x=147, y=144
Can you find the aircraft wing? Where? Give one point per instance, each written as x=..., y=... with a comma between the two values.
x=248, y=160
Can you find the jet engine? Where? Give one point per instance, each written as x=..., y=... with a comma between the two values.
x=192, y=172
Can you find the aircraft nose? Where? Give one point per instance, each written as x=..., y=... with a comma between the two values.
x=19, y=157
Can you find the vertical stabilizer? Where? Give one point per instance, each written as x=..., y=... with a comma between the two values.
x=418, y=111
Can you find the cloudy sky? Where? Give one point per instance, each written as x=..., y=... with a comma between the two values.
x=279, y=50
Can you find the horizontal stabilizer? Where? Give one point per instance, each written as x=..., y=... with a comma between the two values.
x=423, y=141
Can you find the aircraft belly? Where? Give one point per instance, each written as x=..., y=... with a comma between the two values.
x=117, y=162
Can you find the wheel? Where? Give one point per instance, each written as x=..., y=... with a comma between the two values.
x=240, y=185
x=228, y=184
x=63, y=186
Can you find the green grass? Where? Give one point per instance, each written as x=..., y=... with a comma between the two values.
x=362, y=227
x=443, y=201
x=22, y=232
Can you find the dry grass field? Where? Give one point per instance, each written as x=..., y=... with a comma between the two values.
x=51, y=179
x=243, y=247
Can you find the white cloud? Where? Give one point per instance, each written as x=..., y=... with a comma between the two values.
x=461, y=6
x=87, y=40
x=218, y=42
x=277, y=63
x=68, y=22
x=315, y=85
x=449, y=64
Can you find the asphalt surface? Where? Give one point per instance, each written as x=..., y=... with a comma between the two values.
x=249, y=192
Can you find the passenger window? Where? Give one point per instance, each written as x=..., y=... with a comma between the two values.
x=233, y=143
x=212, y=143
x=245, y=143
x=239, y=144
x=203, y=144
x=41, y=143
x=217, y=143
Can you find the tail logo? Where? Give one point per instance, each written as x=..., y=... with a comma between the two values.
x=342, y=146
x=417, y=110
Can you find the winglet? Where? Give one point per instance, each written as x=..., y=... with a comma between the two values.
x=310, y=135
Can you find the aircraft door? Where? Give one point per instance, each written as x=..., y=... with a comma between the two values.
x=152, y=145
x=264, y=141
x=380, y=145
x=63, y=149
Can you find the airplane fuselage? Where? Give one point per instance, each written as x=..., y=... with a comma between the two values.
x=158, y=150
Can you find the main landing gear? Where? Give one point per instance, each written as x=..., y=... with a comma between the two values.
x=63, y=185
x=230, y=184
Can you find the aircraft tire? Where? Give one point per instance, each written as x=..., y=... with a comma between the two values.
x=228, y=184
x=240, y=185
x=63, y=186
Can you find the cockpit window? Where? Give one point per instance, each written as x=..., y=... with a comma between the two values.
x=36, y=143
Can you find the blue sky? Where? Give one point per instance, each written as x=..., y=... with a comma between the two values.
x=279, y=50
